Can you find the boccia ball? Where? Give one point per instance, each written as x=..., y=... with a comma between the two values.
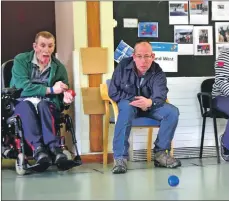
x=173, y=180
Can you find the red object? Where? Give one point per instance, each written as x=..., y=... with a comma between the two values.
x=220, y=63
x=71, y=92
x=17, y=143
x=154, y=27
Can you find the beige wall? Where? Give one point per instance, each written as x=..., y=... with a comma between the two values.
x=71, y=30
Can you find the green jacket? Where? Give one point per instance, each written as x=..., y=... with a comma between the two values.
x=21, y=74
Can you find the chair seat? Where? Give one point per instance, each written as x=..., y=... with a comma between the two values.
x=217, y=114
x=142, y=122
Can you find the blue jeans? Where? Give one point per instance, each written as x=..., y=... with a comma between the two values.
x=167, y=114
x=221, y=103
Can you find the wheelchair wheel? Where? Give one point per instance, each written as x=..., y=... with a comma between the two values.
x=68, y=154
x=19, y=165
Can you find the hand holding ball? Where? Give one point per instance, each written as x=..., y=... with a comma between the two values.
x=71, y=92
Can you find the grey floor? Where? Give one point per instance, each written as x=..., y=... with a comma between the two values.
x=199, y=179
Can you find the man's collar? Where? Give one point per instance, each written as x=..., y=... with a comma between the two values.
x=35, y=61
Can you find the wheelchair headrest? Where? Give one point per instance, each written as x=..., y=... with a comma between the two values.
x=6, y=73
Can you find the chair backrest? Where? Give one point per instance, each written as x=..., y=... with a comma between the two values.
x=108, y=81
x=6, y=73
x=206, y=86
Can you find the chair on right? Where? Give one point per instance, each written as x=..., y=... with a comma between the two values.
x=207, y=110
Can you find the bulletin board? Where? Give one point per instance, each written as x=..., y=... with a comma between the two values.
x=158, y=11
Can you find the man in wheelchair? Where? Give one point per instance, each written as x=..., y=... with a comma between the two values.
x=44, y=95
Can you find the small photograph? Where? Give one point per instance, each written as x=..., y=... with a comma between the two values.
x=184, y=36
x=203, y=36
x=178, y=9
x=220, y=6
x=118, y=56
x=129, y=52
x=223, y=33
x=220, y=48
x=198, y=7
x=148, y=29
x=123, y=50
x=203, y=49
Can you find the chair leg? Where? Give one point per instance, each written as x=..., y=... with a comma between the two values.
x=171, y=150
x=105, y=137
x=149, y=144
x=216, y=139
x=202, y=137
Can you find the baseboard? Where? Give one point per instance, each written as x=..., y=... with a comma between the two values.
x=96, y=158
x=181, y=152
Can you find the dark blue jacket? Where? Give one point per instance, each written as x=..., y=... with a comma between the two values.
x=125, y=83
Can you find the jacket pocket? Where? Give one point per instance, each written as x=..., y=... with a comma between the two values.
x=129, y=88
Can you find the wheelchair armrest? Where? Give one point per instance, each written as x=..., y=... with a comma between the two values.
x=200, y=97
x=12, y=92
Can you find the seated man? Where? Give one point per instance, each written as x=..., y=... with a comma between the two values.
x=44, y=81
x=220, y=95
x=138, y=86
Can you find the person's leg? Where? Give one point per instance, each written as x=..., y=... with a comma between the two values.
x=31, y=129
x=168, y=116
x=121, y=135
x=48, y=116
x=222, y=104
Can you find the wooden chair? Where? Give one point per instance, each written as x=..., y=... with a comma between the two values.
x=138, y=122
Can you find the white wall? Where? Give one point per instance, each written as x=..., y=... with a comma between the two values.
x=65, y=46
x=80, y=40
x=80, y=80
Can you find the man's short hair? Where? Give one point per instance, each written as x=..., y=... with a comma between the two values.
x=44, y=34
x=141, y=41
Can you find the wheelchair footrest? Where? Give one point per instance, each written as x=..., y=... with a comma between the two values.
x=68, y=164
x=39, y=167
x=77, y=160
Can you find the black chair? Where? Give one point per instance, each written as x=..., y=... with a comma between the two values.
x=207, y=110
x=12, y=129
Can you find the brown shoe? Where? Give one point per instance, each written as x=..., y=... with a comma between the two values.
x=163, y=159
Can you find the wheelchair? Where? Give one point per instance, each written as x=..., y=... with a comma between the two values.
x=13, y=142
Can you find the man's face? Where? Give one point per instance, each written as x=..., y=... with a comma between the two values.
x=143, y=56
x=44, y=47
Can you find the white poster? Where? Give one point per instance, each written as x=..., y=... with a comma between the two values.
x=220, y=10
x=166, y=55
x=183, y=35
x=178, y=12
x=130, y=23
x=220, y=47
x=199, y=11
x=203, y=40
